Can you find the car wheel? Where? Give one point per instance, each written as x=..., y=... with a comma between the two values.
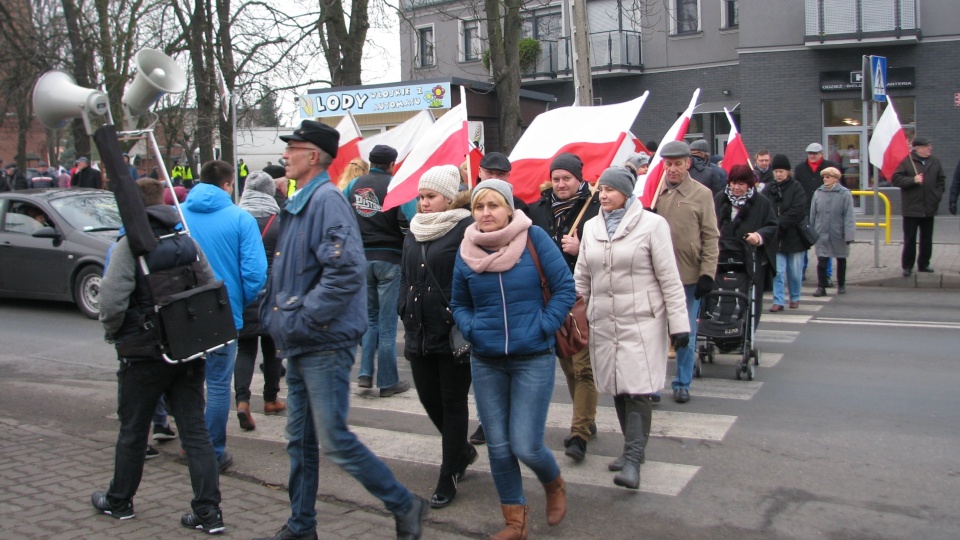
x=86, y=291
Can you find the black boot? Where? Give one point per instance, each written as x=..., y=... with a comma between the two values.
x=635, y=441
x=445, y=492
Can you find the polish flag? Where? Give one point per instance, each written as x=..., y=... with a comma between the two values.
x=474, y=157
x=648, y=189
x=401, y=138
x=736, y=152
x=350, y=138
x=888, y=146
x=595, y=134
x=445, y=143
x=631, y=145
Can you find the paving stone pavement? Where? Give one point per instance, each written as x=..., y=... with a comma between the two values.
x=47, y=479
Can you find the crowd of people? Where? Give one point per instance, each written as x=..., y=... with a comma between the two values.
x=482, y=282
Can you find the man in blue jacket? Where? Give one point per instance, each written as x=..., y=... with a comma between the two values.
x=230, y=238
x=316, y=311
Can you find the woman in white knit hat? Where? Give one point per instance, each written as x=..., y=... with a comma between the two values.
x=442, y=381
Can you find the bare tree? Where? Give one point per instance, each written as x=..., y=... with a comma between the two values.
x=503, y=33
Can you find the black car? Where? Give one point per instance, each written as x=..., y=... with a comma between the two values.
x=53, y=244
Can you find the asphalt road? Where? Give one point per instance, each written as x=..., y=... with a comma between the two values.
x=848, y=431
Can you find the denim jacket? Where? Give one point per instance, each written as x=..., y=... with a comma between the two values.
x=316, y=298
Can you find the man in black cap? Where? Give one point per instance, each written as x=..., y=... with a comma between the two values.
x=86, y=176
x=382, y=234
x=315, y=311
x=496, y=165
x=921, y=181
x=688, y=208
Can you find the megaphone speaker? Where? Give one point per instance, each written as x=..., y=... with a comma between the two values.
x=57, y=99
x=157, y=74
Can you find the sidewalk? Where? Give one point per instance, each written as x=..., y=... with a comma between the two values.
x=49, y=476
x=861, y=271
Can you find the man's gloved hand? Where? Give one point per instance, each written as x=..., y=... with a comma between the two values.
x=953, y=208
x=704, y=285
x=680, y=340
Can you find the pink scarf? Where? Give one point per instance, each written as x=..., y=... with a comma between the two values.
x=507, y=245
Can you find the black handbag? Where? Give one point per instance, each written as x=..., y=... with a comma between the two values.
x=808, y=236
x=459, y=346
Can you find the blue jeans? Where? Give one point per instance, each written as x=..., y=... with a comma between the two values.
x=219, y=378
x=318, y=399
x=512, y=400
x=160, y=413
x=789, y=267
x=383, y=286
x=685, y=355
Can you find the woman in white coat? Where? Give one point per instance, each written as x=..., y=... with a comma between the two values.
x=628, y=275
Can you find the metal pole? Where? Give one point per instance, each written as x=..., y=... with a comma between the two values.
x=876, y=203
x=236, y=151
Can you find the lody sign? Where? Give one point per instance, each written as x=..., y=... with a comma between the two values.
x=360, y=100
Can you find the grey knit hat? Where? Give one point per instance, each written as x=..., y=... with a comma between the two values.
x=504, y=188
x=444, y=179
x=262, y=182
x=639, y=159
x=618, y=178
x=570, y=163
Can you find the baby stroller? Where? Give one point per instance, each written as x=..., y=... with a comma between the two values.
x=726, y=317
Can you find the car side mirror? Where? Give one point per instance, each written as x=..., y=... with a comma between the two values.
x=46, y=232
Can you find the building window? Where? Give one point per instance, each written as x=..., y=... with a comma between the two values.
x=425, y=50
x=543, y=25
x=687, y=16
x=731, y=13
x=470, y=41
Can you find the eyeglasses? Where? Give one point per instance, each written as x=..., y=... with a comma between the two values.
x=301, y=148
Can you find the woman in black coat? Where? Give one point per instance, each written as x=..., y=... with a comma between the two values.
x=426, y=274
x=790, y=205
x=744, y=213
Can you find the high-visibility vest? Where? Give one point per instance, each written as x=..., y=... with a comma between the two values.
x=243, y=170
x=291, y=187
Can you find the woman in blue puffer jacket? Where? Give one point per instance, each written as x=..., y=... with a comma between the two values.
x=498, y=305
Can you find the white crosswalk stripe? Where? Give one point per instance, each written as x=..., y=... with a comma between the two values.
x=658, y=477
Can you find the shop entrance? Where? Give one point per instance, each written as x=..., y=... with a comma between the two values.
x=843, y=147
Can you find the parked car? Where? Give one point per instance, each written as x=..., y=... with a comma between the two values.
x=53, y=243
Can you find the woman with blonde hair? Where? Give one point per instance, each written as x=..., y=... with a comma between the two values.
x=356, y=168
x=498, y=304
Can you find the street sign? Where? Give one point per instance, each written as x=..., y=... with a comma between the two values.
x=878, y=78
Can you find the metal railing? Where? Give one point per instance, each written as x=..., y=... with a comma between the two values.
x=546, y=63
x=843, y=19
x=615, y=49
x=886, y=211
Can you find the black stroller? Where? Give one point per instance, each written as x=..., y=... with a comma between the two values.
x=726, y=317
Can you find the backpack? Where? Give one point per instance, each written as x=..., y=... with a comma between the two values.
x=189, y=316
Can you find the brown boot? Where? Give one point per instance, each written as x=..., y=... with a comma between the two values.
x=243, y=415
x=273, y=407
x=556, y=500
x=515, y=516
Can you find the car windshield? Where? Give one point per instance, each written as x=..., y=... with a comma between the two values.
x=89, y=213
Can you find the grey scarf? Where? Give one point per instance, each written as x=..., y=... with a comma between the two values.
x=258, y=204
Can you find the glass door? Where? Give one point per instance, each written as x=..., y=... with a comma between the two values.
x=844, y=148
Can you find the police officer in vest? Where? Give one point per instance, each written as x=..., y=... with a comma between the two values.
x=127, y=312
x=242, y=173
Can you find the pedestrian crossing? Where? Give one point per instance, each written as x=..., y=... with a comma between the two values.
x=659, y=477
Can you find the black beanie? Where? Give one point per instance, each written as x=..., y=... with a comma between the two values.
x=568, y=162
x=780, y=161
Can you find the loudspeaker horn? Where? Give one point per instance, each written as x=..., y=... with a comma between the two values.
x=157, y=74
x=57, y=99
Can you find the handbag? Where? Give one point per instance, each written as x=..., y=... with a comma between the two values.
x=808, y=236
x=459, y=346
x=574, y=333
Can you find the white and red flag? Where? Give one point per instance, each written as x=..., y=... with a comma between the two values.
x=595, y=134
x=888, y=146
x=350, y=138
x=736, y=152
x=401, y=138
x=445, y=143
x=650, y=186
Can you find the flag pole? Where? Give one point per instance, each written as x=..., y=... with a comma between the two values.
x=732, y=125
x=466, y=117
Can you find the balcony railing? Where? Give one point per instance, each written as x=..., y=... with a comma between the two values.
x=613, y=51
x=610, y=52
x=834, y=22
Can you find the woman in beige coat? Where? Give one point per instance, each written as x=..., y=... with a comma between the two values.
x=628, y=275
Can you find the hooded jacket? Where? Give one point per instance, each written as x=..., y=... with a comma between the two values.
x=230, y=238
x=707, y=174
